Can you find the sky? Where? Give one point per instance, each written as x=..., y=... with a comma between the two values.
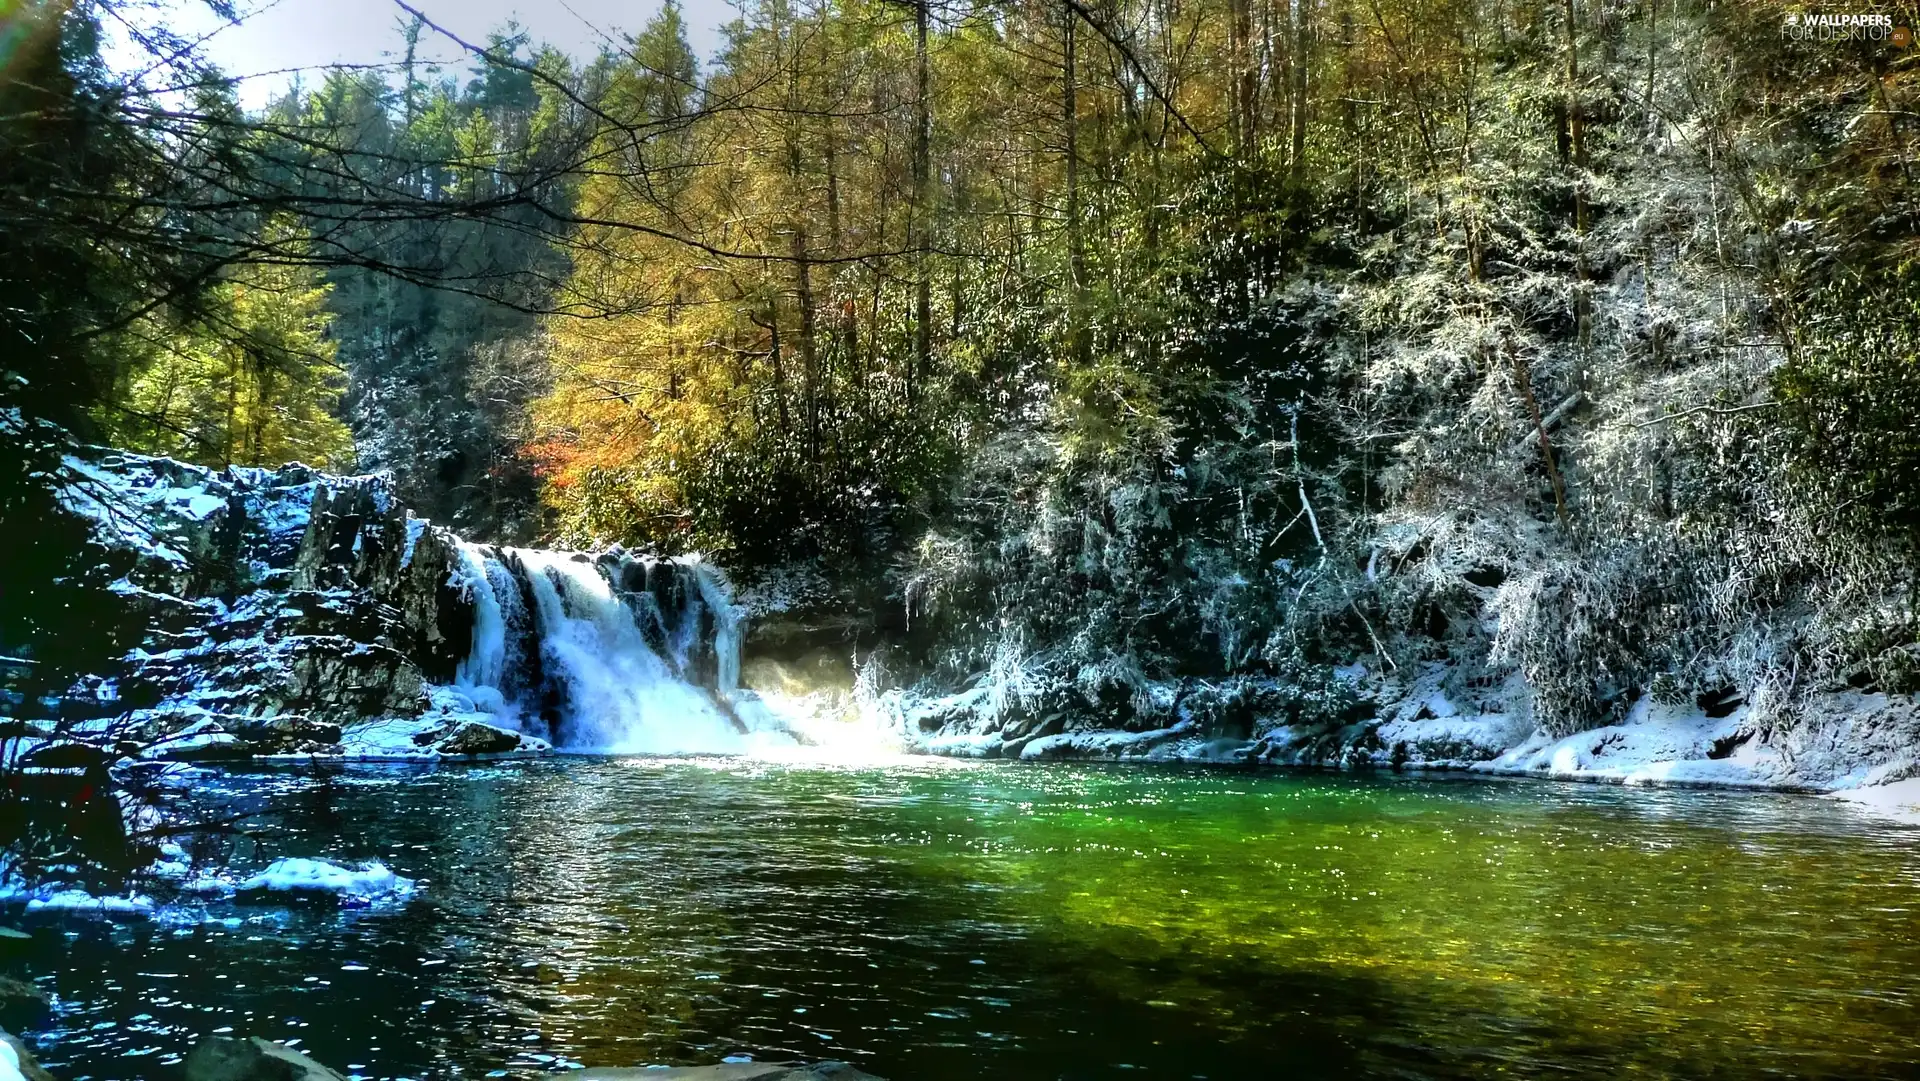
x=276, y=36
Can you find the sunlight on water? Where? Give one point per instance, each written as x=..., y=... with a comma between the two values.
x=932, y=919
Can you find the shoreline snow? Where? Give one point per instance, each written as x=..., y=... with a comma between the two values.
x=1847, y=745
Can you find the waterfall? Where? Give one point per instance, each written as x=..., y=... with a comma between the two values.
x=727, y=624
x=611, y=653
x=481, y=580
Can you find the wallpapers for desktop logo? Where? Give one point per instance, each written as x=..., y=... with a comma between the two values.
x=1845, y=26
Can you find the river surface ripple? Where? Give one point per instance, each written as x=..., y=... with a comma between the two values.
x=932, y=921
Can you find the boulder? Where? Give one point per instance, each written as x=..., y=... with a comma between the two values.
x=727, y=1071
x=284, y=732
x=338, y=679
x=21, y=1003
x=472, y=737
x=67, y=756
x=204, y=740
x=22, y=1059
x=223, y=1058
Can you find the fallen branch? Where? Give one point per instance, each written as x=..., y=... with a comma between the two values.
x=1719, y=411
x=1550, y=421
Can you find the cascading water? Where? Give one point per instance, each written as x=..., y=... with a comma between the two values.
x=614, y=653
x=496, y=603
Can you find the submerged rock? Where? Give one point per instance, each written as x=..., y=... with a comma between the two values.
x=223, y=1058
x=21, y=1003
x=728, y=1071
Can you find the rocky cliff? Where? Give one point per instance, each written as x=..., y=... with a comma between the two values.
x=265, y=612
x=290, y=612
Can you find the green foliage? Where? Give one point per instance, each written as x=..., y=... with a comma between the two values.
x=1144, y=347
x=252, y=383
x=88, y=246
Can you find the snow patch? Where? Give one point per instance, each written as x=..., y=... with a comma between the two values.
x=365, y=882
x=1899, y=800
x=1453, y=737
x=411, y=739
x=50, y=899
x=1103, y=744
x=1657, y=744
x=10, y=1063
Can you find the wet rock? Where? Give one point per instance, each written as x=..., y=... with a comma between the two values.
x=222, y=1058
x=201, y=741
x=729, y=1071
x=284, y=733
x=258, y=595
x=22, y=1005
x=437, y=619
x=472, y=737
x=339, y=679
x=22, y=1058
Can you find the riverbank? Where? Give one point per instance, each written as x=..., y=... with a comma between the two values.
x=291, y=616
x=1847, y=744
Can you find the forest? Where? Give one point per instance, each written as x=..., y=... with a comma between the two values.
x=1118, y=342
x=967, y=538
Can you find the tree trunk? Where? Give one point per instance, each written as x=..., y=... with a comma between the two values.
x=809, y=355
x=1297, y=121
x=1076, y=246
x=779, y=367
x=923, y=208
x=1577, y=139
x=1246, y=78
x=846, y=329
x=1524, y=380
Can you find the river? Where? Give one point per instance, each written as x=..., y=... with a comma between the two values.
x=937, y=921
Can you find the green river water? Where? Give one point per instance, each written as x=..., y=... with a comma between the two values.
x=932, y=921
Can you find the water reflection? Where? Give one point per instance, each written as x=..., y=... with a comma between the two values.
x=933, y=922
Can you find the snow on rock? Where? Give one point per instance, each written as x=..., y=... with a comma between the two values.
x=54, y=899
x=10, y=1063
x=1421, y=726
x=1111, y=744
x=1656, y=744
x=200, y=739
x=961, y=745
x=1451, y=738
x=357, y=883
x=433, y=737
x=82, y=901
x=274, y=605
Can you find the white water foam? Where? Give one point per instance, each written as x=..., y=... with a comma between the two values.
x=622, y=697
x=490, y=586
x=623, y=675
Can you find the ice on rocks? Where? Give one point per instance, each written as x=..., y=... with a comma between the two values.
x=365, y=882
x=70, y=899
